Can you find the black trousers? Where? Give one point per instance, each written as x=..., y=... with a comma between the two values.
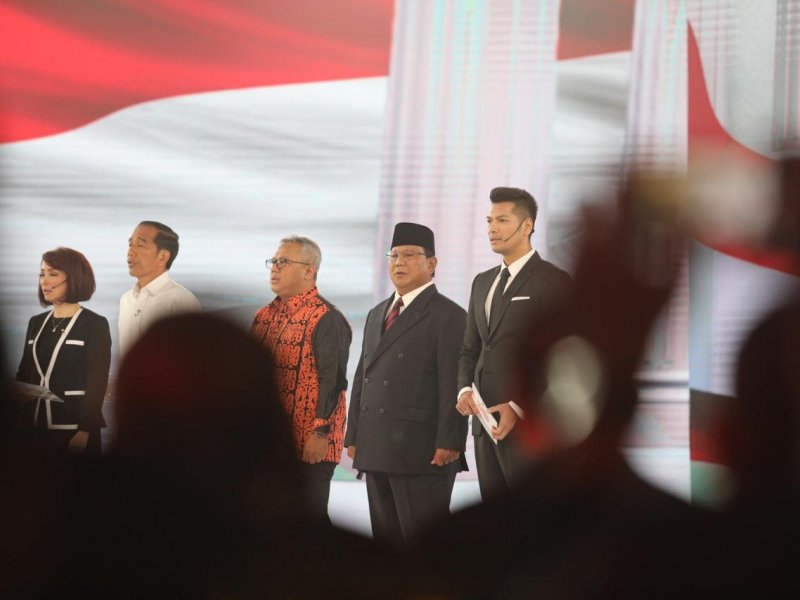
x=500, y=466
x=401, y=506
x=317, y=479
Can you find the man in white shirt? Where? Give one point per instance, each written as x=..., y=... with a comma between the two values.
x=503, y=302
x=152, y=248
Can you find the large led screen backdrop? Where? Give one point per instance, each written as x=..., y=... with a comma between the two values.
x=238, y=122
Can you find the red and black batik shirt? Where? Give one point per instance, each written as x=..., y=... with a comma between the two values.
x=310, y=342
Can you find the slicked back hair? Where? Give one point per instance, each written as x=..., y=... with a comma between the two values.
x=166, y=239
x=525, y=206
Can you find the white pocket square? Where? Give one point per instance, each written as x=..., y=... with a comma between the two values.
x=515, y=298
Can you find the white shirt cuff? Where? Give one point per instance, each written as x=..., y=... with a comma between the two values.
x=515, y=407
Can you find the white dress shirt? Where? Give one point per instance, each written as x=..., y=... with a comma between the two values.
x=141, y=307
x=408, y=298
x=513, y=269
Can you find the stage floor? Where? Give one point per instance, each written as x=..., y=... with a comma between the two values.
x=666, y=468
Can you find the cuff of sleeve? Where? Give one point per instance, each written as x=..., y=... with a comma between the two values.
x=461, y=391
x=515, y=407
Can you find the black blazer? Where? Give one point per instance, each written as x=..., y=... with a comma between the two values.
x=402, y=406
x=80, y=372
x=486, y=355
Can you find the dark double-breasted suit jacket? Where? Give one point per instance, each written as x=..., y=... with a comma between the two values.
x=402, y=406
x=486, y=353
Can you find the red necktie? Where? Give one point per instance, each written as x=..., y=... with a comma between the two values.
x=393, y=314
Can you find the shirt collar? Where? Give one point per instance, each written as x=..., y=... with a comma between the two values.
x=154, y=287
x=516, y=266
x=408, y=297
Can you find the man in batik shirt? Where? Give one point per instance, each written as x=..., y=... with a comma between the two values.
x=310, y=341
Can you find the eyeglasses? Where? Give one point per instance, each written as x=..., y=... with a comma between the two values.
x=282, y=262
x=395, y=256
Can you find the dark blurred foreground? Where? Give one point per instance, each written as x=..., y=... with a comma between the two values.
x=201, y=495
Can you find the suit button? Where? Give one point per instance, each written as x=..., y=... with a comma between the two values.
x=381, y=411
x=487, y=347
x=386, y=382
x=363, y=409
x=400, y=355
x=366, y=379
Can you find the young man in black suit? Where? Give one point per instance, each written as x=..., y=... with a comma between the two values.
x=503, y=301
x=403, y=430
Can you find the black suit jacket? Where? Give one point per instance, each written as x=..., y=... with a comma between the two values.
x=402, y=406
x=486, y=354
x=80, y=373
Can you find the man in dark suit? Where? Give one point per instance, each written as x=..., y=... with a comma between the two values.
x=581, y=523
x=403, y=430
x=503, y=301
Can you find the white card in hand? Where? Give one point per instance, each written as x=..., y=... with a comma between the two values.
x=486, y=418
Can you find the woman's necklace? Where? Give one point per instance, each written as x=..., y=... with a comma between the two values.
x=60, y=323
x=72, y=309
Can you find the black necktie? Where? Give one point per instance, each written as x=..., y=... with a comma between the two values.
x=393, y=314
x=497, y=298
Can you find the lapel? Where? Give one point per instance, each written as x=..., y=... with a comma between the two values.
x=407, y=319
x=45, y=376
x=520, y=280
x=479, y=309
x=373, y=330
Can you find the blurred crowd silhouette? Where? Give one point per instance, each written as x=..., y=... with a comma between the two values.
x=200, y=495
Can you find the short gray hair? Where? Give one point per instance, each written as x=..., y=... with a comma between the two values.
x=308, y=247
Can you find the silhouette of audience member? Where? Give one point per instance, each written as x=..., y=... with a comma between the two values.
x=582, y=524
x=201, y=464
x=756, y=545
x=201, y=495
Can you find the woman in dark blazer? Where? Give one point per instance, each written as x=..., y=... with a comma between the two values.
x=68, y=352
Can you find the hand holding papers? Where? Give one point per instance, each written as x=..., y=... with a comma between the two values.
x=27, y=392
x=486, y=418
